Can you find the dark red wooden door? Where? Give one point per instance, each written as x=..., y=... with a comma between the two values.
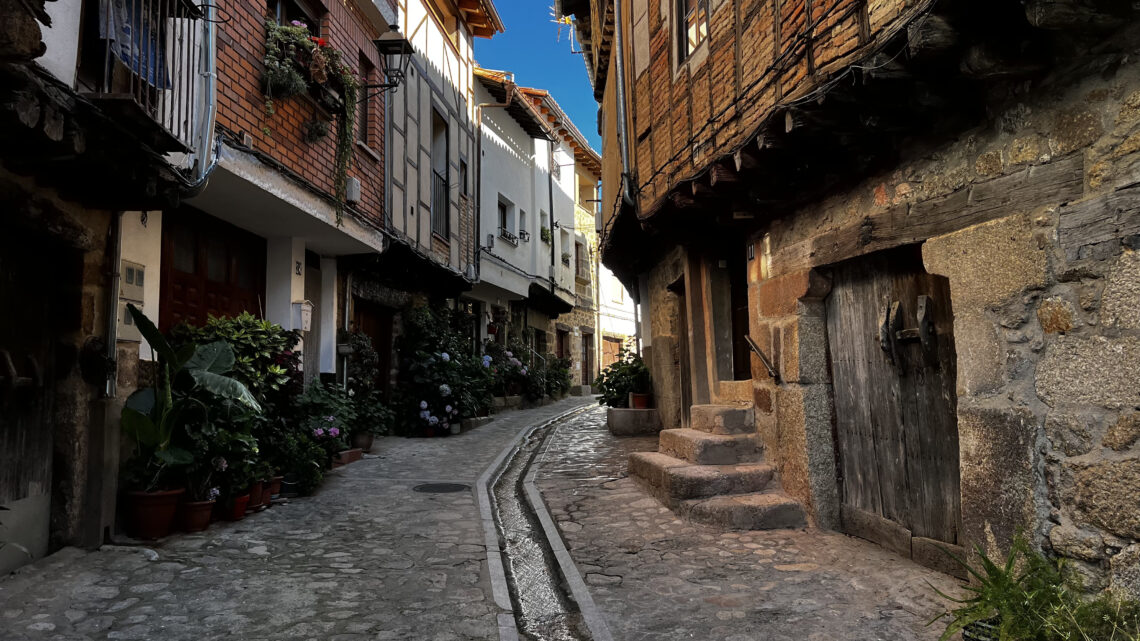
x=895, y=399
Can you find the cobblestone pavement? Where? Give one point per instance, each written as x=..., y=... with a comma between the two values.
x=656, y=577
x=366, y=558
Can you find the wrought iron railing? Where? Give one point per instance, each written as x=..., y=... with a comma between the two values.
x=440, y=204
x=146, y=69
x=506, y=235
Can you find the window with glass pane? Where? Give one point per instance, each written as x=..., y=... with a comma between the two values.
x=693, y=25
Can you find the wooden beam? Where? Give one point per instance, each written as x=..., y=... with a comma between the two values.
x=745, y=158
x=720, y=175
x=931, y=36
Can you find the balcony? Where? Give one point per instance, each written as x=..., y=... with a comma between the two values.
x=142, y=67
x=510, y=238
x=440, y=204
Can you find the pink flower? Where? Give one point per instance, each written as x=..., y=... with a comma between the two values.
x=319, y=432
x=334, y=432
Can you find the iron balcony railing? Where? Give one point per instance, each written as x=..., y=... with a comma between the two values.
x=440, y=204
x=146, y=68
x=506, y=235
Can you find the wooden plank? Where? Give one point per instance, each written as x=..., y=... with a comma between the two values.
x=933, y=554
x=876, y=529
x=1097, y=220
x=1056, y=183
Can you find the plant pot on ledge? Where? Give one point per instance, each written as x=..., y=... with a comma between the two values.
x=344, y=457
x=640, y=401
x=194, y=516
x=363, y=441
x=150, y=515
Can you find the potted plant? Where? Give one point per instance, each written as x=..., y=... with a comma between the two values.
x=373, y=417
x=625, y=382
x=156, y=418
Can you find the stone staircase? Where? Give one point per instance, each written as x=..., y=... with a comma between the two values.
x=715, y=473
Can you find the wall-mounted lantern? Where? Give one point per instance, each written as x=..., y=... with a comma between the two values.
x=397, y=53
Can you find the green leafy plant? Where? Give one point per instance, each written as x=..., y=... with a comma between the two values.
x=157, y=417
x=545, y=235
x=628, y=374
x=287, y=47
x=315, y=130
x=1026, y=598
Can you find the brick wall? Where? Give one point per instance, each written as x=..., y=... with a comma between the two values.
x=759, y=54
x=281, y=135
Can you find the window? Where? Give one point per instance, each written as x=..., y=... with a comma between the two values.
x=364, y=108
x=463, y=177
x=286, y=11
x=692, y=26
x=507, y=221
x=582, y=267
x=522, y=225
x=440, y=191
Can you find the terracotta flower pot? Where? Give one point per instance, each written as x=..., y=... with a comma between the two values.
x=194, y=516
x=150, y=515
x=363, y=441
x=255, y=495
x=275, y=486
x=640, y=401
x=235, y=510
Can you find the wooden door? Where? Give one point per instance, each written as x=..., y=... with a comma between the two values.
x=895, y=400
x=587, y=359
x=209, y=268
x=376, y=321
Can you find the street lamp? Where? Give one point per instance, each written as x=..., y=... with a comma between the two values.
x=397, y=53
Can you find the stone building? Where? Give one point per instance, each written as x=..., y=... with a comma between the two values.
x=92, y=139
x=885, y=254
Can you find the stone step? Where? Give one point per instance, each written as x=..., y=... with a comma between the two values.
x=722, y=419
x=672, y=479
x=703, y=448
x=771, y=510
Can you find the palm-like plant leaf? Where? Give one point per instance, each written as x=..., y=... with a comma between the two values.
x=225, y=387
x=153, y=337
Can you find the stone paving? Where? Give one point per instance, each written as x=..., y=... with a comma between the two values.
x=365, y=558
x=656, y=577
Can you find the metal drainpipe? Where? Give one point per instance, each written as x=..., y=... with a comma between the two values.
x=623, y=133
x=550, y=194
x=116, y=232
x=347, y=299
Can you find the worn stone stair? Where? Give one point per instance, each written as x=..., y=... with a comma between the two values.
x=714, y=472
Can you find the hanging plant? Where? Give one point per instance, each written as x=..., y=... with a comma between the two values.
x=546, y=236
x=291, y=54
x=315, y=129
x=287, y=47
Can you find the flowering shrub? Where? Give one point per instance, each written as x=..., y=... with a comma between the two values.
x=441, y=381
x=329, y=433
x=509, y=372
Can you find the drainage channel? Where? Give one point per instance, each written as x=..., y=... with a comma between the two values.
x=544, y=610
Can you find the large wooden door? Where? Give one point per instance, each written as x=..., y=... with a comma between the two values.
x=890, y=334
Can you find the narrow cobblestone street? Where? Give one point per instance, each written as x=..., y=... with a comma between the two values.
x=656, y=577
x=365, y=558
x=369, y=558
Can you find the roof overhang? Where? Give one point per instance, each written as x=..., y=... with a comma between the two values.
x=481, y=17
x=503, y=89
x=563, y=128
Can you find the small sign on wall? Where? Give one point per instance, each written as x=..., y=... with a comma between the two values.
x=303, y=315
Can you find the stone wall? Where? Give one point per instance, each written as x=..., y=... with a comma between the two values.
x=1034, y=216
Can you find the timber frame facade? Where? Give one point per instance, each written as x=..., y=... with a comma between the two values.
x=849, y=215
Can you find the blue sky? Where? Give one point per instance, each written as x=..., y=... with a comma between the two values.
x=532, y=49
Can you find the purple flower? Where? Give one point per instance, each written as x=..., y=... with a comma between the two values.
x=445, y=356
x=447, y=409
x=510, y=354
x=318, y=432
x=298, y=23
x=331, y=419
x=424, y=414
x=423, y=405
x=334, y=432
x=433, y=420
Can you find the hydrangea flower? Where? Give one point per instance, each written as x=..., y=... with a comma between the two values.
x=510, y=354
x=446, y=357
x=447, y=409
x=486, y=358
x=445, y=390
x=334, y=432
x=445, y=425
x=524, y=370
x=319, y=432
x=213, y=494
x=424, y=414
x=423, y=405
x=433, y=420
